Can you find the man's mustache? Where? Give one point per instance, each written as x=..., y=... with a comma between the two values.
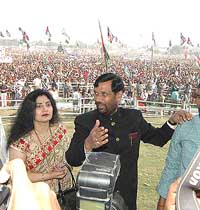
x=98, y=103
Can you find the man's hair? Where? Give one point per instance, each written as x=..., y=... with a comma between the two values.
x=117, y=82
x=24, y=121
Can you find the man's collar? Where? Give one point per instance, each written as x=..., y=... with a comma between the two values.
x=115, y=116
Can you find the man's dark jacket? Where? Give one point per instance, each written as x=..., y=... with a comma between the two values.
x=126, y=128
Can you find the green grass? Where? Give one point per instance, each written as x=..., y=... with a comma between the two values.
x=151, y=163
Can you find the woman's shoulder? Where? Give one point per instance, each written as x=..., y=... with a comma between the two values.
x=24, y=138
x=58, y=127
x=22, y=143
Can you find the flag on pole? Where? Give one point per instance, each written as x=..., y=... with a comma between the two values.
x=105, y=53
x=47, y=32
x=153, y=39
x=110, y=35
x=8, y=33
x=1, y=34
x=25, y=37
x=189, y=42
x=66, y=35
x=20, y=29
x=170, y=43
x=112, y=38
x=183, y=39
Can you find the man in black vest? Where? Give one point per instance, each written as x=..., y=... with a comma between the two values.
x=118, y=131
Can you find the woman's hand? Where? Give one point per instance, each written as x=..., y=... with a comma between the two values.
x=58, y=172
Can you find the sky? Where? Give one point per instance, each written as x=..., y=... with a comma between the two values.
x=132, y=21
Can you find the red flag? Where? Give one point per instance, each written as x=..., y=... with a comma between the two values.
x=25, y=37
x=47, y=32
x=110, y=35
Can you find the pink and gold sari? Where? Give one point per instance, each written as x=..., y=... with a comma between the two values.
x=43, y=159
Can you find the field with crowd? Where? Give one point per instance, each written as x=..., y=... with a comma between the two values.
x=161, y=79
x=70, y=74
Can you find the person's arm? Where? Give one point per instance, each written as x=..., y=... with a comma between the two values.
x=24, y=193
x=75, y=155
x=98, y=137
x=152, y=135
x=36, y=177
x=15, y=153
x=170, y=203
x=171, y=169
x=161, y=203
x=84, y=141
x=160, y=136
x=179, y=117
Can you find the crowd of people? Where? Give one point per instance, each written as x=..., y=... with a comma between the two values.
x=160, y=79
x=40, y=140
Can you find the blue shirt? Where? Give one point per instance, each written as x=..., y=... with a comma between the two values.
x=175, y=96
x=184, y=144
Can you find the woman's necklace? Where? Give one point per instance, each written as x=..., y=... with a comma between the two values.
x=39, y=137
x=41, y=145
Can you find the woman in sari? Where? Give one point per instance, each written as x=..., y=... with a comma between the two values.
x=40, y=141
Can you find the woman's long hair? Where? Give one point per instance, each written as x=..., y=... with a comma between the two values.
x=24, y=121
